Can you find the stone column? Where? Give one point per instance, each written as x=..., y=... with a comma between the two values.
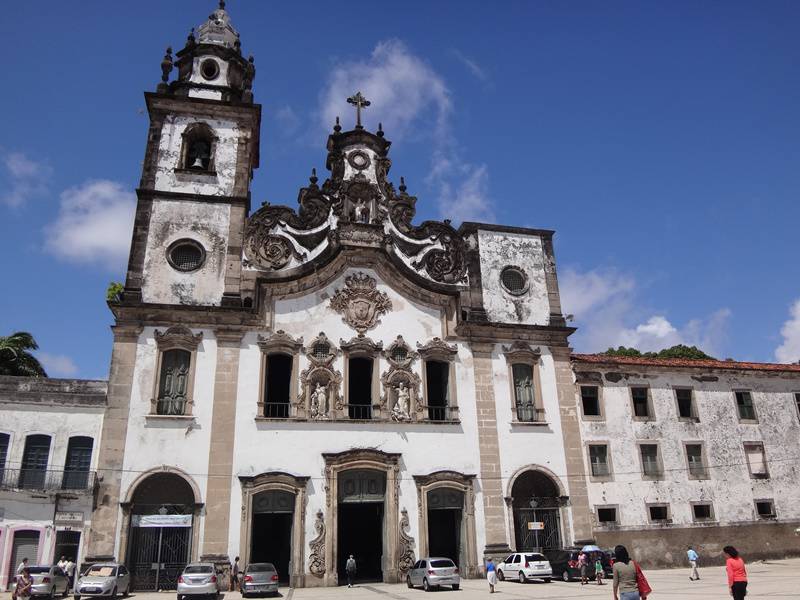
x=491, y=485
x=103, y=530
x=573, y=449
x=220, y=456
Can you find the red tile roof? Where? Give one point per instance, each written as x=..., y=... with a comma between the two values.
x=684, y=363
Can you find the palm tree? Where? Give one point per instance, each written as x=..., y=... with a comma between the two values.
x=15, y=358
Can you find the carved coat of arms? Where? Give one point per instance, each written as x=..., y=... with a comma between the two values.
x=360, y=303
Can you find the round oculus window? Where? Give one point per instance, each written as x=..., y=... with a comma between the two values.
x=209, y=69
x=358, y=160
x=186, y=255
x=514, y=280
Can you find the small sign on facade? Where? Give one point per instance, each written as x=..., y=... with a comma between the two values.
x=63, y=516
x=161, y=520
x=534, y=525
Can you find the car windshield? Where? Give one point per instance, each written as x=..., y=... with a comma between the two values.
x=192, y=569
x=438, y=564
x=260, y=568
x=535, y=557
x=35, y=570
x=101, y=571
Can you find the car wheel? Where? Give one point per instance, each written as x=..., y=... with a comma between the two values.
x=408, y=582
x=522, y=578
x=546, y=580
x=456, y=586
x=425, y=585
x=179, y=597
x=77, y=597
x=500, y=576
x=565, y=575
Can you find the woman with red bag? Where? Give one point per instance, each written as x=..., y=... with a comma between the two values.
x=629, y=581
x=737, y=574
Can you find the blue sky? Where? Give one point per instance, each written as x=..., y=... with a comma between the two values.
x=660, y=141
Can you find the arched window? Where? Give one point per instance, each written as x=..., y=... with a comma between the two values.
x=34, y=462
x=199, y=143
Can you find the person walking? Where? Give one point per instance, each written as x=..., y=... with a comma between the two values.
x=598, y=568
x=737, y=574
x=583, y=565
x=491, y=574
x=24, y=584
x=626, y=580
x=692, y=556
x=69, y=569
x=351, y=567
x=22, y=565
x=235, y=585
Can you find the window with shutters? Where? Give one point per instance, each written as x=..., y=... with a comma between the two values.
x=687, y=411
x=175, y=368
x=78, y=463
x=599, y=461
x=651, y=461
x=33, y=470
x=756, y=460
x=745, y=407
x=642, y=407
x=696, y=462
x=590, y=402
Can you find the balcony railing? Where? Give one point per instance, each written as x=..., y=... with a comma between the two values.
x=527, y=413
x=359, y=411
x=276, y=410
x=441, y=413
x=46, y=480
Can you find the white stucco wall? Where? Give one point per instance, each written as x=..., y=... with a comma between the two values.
x=499, y=250
x=172, y=220
x=226, y=147
x=730, y=487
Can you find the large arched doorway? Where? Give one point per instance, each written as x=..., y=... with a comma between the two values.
x=162, y=519
x=535, y=504
x=360, y=509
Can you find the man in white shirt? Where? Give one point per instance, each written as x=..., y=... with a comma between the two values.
x=69, y=569
x=62, y=564
x=22, y=565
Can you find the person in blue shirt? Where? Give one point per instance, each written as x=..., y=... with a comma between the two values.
x=692, y=556
x=491, y=574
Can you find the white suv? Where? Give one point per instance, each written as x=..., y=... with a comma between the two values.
x=525, y=566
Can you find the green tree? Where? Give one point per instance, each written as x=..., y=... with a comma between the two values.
x=15, y=356
x=622, y=351
x=115, y=288
x=678, y=351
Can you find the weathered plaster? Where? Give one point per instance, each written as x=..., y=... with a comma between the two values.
x=173, y=220
x=499, y=250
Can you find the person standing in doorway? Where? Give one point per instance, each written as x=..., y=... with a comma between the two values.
x=235, y=586
x=491, y=574
x=737, y=574
x=22, y=565
x=62, y=564
x=350, y=568
x=69, y=569
x=692, y=556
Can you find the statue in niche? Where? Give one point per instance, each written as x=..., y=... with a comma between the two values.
x=319, y=402
x=361, y=212
x=402, y=404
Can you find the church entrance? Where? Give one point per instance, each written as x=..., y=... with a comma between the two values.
x=445, y=520
x=537, y=518
x=160, y=538
x=271, y=530
x=360, y=523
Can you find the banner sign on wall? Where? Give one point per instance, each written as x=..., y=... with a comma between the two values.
x=161, y=520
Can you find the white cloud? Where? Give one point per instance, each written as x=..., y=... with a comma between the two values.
x=287, y=119
x=94, y=224
x=27, y=179
x=607, y=314
x=57, y=365
x=471, y=65
x=409, y=98
x=789, y=350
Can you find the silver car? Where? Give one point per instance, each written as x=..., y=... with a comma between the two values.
x=260, y=578
x=432, y=572
x=524, y=566
x=47, y=581
x=199, y=579
x=103, y=579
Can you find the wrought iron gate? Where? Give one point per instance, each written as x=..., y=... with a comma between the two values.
x=158, y=556
x=537, y=529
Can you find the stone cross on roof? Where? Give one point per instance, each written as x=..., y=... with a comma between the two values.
x=359, y=102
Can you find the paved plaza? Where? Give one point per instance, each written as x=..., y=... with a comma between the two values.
x=773, y=579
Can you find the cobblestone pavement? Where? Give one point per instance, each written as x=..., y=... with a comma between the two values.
x=773, y=580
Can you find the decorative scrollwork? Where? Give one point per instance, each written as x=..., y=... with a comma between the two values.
x=317, y=558
x=406, y=550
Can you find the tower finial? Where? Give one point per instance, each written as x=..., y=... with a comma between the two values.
x=402, y=187
x=337, y=128
x=222, y=4
x=380, y=130
x=313, y=179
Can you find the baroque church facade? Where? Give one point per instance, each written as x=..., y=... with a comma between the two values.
x=303, y=383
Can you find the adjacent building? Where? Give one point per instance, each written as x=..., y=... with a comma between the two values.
x=49, y=438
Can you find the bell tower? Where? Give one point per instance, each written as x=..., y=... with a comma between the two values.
x=194, y=194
